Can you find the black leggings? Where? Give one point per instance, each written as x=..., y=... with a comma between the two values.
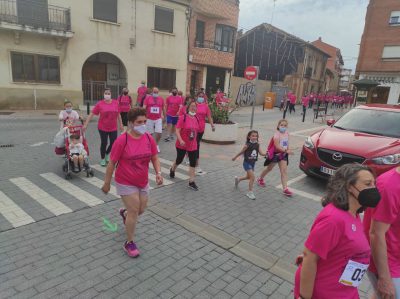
x=199, y=138
x=180, y=154
x=124, y=118
x=104, y=140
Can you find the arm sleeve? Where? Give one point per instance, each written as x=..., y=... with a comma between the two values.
x=96, y=109
x=324, y=236
x=118, y=148
x=388, y=208
x=180, y=122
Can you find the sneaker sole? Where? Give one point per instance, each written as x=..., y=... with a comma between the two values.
x=194, y=189
x=132, y=256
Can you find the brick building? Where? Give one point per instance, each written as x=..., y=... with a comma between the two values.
x=379, y=57
x=334, y=65
x=212, y=35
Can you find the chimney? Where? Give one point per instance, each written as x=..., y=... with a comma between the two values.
x=320, y=39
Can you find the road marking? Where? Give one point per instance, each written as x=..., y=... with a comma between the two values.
x=306, y=194
x=308, y=130
x=103, y=170
x=184, y=167
x=39, y=143
x=46, y=200
x=99, y=183
x=13, y=213
x=165, y=181
x=292, y=181
x=71, y=189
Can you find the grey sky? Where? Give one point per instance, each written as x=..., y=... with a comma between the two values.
x=339, y=22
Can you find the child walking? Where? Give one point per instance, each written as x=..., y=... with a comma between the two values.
x=280, y=156
x=250, y=153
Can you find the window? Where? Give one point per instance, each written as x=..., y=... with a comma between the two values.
x=200, y=25
x=161, y=78
x=105, y=10
x=35, y=68
x=394, y=18
x=164, y=19
x=391, y=52
x=224, y=38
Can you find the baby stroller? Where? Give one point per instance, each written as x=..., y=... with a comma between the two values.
x=68, y=165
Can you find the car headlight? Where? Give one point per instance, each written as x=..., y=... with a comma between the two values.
x=308, y=143
x=387, y=160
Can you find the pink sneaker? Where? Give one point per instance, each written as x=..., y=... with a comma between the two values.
x=260, y=182
x=287, y=192
x=131, y=249
x=122, y=213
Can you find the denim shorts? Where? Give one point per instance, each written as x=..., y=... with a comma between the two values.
x=172, y=119
x=249, y=165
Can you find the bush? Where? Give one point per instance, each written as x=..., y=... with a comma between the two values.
x=220, y=115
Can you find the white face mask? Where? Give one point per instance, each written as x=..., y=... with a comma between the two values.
x=192, y=113
x=107, y=97
x=140, y=129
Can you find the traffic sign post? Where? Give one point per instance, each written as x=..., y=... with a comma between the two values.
x=251, y=74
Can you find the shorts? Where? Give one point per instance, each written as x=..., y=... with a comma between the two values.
x=123, y=190
x=172, y=119
x=154, y=126
x=76, y=154
x=124, y=118
x=277, y=158
x=249, y=165
x=374, y=280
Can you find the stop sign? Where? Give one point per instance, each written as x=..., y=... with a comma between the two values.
x=250, y=73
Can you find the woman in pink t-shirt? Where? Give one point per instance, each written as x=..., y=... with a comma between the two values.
x=336, y=252
x=187, y=129
x=203, y=112
x=125, y=104
x=133, y=151
x=108, y=109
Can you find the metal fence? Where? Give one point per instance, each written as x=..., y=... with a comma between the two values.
x=93, y=91
x=36, y=14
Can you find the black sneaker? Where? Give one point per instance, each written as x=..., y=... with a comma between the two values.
x=193, y=186
x=167, y=139
x=171, y=173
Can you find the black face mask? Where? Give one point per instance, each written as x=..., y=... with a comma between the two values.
x=174, y=93
x=369, y=197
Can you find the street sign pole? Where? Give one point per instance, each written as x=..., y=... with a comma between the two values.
x=251, y=74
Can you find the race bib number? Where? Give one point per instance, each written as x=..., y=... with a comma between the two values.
x=353, y=274
x=155, y=110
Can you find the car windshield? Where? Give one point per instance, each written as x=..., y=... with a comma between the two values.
x=377, y=122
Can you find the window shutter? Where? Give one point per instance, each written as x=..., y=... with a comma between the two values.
x=164, y=19
x=106, y=10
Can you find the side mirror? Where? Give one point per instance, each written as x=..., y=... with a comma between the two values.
x=330, y=122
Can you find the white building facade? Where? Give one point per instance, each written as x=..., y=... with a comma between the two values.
x=50, y=52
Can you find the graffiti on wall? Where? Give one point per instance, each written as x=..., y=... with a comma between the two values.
x=246, y=94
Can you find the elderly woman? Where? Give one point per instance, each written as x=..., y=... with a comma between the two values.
x=133, y=151
x=336, y=253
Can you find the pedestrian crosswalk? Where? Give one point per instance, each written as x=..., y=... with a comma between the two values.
x=49, y=190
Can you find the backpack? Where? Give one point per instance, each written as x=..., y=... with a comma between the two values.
x=120, y=97
x=270, y=152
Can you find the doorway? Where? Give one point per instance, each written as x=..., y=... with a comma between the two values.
x=215, y=80
x=379, y=95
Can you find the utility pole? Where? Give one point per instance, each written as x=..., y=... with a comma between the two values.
x=273, y=11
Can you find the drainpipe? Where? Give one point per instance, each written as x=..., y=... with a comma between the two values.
x=34, y=96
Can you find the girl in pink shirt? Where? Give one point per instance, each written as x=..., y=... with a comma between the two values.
x=186, y=133
x=203, y=112
x=125, y=104
x=133, y=152
x=108, y=109
x=337, y=253
x=280, y=156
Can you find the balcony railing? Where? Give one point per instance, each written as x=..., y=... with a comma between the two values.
x=35, y=14
x=213, y=45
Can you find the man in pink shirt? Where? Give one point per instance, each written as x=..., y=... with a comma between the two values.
x=154, y=105
x=172, y=105
x=141, y=94
x=382, y=227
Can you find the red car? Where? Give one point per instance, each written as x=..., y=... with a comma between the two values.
x=368, y=134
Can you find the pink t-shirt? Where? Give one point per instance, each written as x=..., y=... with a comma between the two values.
x=154, y=107
x=108, y=115
x=125, y=103
x=173, y=104
x=292, y=98
x=203, y=111
x=133, y=157
x=189, y=127
x=182, y=110
x=141, y=91
x=336, y=237
x=387, y=211
x=305, y=100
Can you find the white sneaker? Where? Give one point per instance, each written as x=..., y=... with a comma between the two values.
x=236, y=182
x=187, y=161
x=199, y=171
x=251, y=195
x=158, y=149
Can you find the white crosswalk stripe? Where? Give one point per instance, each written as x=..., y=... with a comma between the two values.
x=177, y=174
x=71, y=189
x=99, y=183
x=181, y=166
x=12, y=212
x=42, y=197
